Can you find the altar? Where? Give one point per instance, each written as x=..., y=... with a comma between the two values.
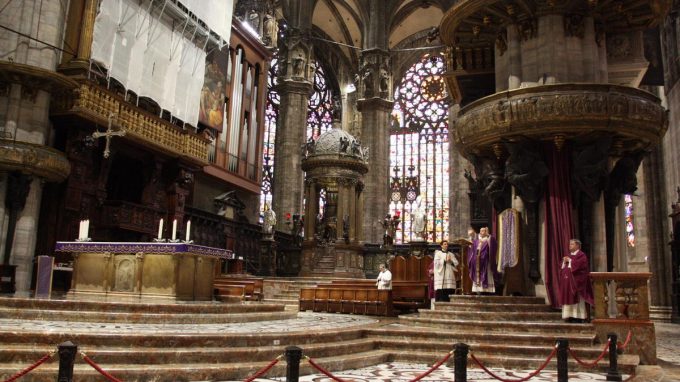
x=173, y=271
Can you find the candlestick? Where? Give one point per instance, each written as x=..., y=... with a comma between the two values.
x=174, y=229
x=188, y=230
x=160, y=228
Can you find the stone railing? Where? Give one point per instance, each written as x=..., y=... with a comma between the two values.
x=97, y=104
x=621, y=295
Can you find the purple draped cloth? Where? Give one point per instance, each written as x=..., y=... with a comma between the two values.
x=575, y=281
x=558, y=225
x=487, y=258
x=430, y=283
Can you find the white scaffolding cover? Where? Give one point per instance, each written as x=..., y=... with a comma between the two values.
x=152, y=57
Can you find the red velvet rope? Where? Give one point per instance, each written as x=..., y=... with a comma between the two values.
x=99, y=369
x=433, y=368
x=594, y=363
x=535, y=373
x=265, y=369
x=30, y=368
x=324, y=371
x=625, y=344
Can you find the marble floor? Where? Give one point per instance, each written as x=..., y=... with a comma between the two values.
x=668, y=346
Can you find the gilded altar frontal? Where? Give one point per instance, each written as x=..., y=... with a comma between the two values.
x=348, y=189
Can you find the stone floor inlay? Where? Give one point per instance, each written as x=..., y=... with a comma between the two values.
x=304, y=321
x=402, y=372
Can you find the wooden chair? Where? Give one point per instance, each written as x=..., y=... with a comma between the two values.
x=334, y=300
x=320, y=300
x=347, y=301
x=360, y=299
x=307, y=299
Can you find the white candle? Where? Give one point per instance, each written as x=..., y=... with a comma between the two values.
x=188, y=230
x=174, y=229
x=87, y=229
x=160, y=229
x=80, y=229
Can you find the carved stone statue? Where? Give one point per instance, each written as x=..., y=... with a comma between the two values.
x=525, y=170
x=368, y=82
x=337, y=108
x=310, y=145
x=589, y=174
x=268, y=220
x=623, y=178
x=298, y=65
x=419, y=218
x=345, y=228
x=388, y=237
x=384, y=82
x=344, y=144
x=270, y=31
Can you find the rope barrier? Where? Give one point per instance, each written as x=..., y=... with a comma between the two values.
x=433, y=368
x=99, y=369
x=265, y=369
x=324, y=371
x=597, y=360
x=30, y=368
x=625, y=344
x=533, y=374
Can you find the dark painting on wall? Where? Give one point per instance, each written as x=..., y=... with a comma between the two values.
x=213, y=92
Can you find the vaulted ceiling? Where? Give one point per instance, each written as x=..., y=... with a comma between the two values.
x=347, y=21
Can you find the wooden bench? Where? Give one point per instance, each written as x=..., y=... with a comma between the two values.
x=255, y=293
x=406, y=295
x=230, y=291
x=347, y=300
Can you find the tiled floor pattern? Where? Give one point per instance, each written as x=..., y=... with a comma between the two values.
x=304, y=321
x=403, y=372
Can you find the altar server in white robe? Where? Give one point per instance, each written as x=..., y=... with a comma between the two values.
x=445, y=267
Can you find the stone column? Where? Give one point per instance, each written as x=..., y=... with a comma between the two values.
x=375, y=106
x=360, y=212
x=352, y=211
x=375, y=117
x=310, y=209
x=295, y=88
x=24, y=116
x=514, y=58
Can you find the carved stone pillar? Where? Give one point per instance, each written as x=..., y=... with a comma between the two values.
x=375, y=107
x=295, y=88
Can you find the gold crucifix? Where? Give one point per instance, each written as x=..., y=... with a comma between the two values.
x=108, y=134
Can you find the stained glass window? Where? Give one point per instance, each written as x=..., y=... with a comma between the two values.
x=630, y=226
x=320, y=105
x=419, y=148
x=271, y=115
x=319, y=119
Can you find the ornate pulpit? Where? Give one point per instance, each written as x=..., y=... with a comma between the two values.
x=173, y=271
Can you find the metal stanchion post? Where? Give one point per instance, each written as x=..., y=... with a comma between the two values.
x=460, y=355
x=613, y=373
x=293, y=356
x=67, y=356
x=562, y=360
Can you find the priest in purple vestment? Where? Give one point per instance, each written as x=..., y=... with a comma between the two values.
x=575, y=286
x=482, y=262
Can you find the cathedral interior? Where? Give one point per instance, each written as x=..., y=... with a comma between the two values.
x=177, y=175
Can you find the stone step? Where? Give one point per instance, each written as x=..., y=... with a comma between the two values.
x=539, y=348
x=195, y=371
x=627, y=363
x=97, y=336
x=135, y=307
x=498, y=326
x=269, y=313
x=496, y=316
x=451, y=336
x=215, y=354
x=498, y=299
x=472, y=306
